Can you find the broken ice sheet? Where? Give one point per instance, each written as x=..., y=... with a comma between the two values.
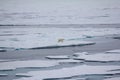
x=69, y=72
x=49, y=37
x=26, y=64
x=114, y=51
x=58, y=57
x=2, y=50
x=98, y=57
x=113, y=78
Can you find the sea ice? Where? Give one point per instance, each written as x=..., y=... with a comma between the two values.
x=99, y=57
x=114, y=51
x=80, y=53
x=69, y=72
x=21, y=75
x=35, y=38
x=3, y=75
x=69, y=61
x=2, y=50
x=58, y=57
x=114, y=78
x=26, y=64
x=2, y=60
x=59, y=12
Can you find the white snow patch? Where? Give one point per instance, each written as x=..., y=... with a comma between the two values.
x=68, y=72
x=99, y=57
x=26, y=64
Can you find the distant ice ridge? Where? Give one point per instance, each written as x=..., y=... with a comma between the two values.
x=60, y=12
x=69, y=72
x=33, y=38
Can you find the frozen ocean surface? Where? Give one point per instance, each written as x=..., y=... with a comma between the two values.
x=99, y=57
x=68, y=72
x=29, y=26
x=38, y=38
x=59, y=12
x=69, y=68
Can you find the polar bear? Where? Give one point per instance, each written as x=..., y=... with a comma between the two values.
x=61, y=40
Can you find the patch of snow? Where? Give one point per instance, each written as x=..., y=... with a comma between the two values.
x=26, y=64
x=99, y=57
x=68, y=72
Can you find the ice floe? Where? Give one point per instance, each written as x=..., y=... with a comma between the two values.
x=80, y=53
x=58, y=57
x=2, y=60
x=114, y=51
x=69, y=72
x=2, y=50
x=69, y=61
x=3, y=75
x=26, y=64
x=114, y=78
x=39, y=38
x=21, y=75
x=99, y=57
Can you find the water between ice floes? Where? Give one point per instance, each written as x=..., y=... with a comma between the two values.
x=81, y=66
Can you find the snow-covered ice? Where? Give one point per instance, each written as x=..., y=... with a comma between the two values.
x=99, y=57
x=80, y=53
x=58, y=57
x=69, y=72
x=21, y=75
x=59, y=12
x=26, y=64
x=2, y=50
x=48, y=37
x=114, y=51
x=113, y=78
x=2, y=60
x=69, y=61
